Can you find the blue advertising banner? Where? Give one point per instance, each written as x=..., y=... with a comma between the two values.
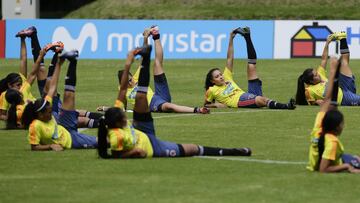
x=112, y=39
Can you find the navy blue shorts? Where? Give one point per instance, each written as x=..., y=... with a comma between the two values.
x=247, y=99
x=161, y=95
x=347, y=84
x=350, y=159
x=57, y=104
x=160, y=148
x=68, y=119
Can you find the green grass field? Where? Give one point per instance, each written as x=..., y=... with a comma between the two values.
x=220, y=9
x=280, y=136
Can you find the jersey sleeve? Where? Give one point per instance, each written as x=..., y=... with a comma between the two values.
x=23, y=77
x=4, y=105
x=209, y=96
x=228, y=75
x=330, y=150
x=136, y=74
x=309, y=97
x=322, y=72
x=34, y=134
x=119, y=104
x=116, y=141
x=49, y=99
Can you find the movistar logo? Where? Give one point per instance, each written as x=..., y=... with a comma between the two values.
x=87, y=31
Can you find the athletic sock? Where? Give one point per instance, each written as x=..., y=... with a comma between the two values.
x=215, y=151
x=344, y=49
x=276, y=105
x=41, y=86
x=144, y=76
x=93, y=123
x=70, y=80
x=52, y=66
x=93, y=115
x=156, y=37
x=35, y=48
x=250, y=49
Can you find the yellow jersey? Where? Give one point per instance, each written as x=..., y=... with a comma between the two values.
x=333, y=149
x=123, y=139
x=25, y=89
x=131, y=91
x=50, y=132
x=228, y=94
x=318, y=91
x=314, y=139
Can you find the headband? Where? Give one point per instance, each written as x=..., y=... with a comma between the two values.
x=42, y=106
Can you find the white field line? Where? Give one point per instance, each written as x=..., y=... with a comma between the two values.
x=253, y=160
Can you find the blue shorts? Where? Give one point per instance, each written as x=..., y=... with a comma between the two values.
x=57, y=104
x=160, y=148
x=162, y=93
x=68, y=119
x=248, y=98
x=350, y=159
x=347, y=84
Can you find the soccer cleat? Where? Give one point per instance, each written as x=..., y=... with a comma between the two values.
x=154, y=30
x=242, y=151
x=291, y=105
x=331, y=36
x=202, y=110
x=26, y=32
x=142, y=51
x=57, y=47
x=339, y=35
x=242, y=31
x=70, y=55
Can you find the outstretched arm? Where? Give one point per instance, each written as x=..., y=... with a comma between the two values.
x=55, y=78
x=230, y=52
x=36, y=67
x=146, y=35
x=133, y=153
x=23, y=57
x=125, y=78
x=325, y=53
x=332, y=88
x=214, y=105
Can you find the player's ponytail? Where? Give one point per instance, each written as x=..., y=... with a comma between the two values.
x=102, y=139
x=303, y=79
x=110, y=120
x=14, y=98
x=209, y=78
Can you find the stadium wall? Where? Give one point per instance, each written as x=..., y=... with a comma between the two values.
x=187, y=39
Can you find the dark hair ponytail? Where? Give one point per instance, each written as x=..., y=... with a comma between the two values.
x=110, y=120
x=11, y=78
x=208, y=78
x=330, y=124
x=14, y=98
x=102, y=140
x=306, y=77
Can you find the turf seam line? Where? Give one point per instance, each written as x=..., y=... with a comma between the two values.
x=225, y=112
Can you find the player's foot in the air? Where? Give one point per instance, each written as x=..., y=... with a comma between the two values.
x=70, y=55
x=26, y=32
x=242, y=31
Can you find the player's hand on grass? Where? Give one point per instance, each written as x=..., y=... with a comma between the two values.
x=56, y=147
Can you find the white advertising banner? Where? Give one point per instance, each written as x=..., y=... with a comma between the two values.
x=306, y=39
